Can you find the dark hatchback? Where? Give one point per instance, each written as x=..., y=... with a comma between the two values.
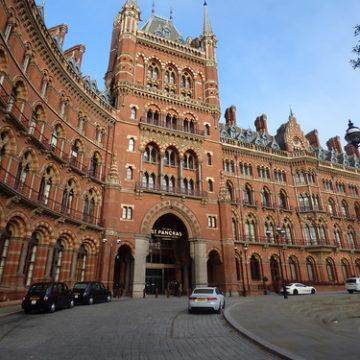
x=89, y=292
x=48, y=296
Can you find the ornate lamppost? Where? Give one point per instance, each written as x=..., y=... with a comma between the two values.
x=279, y=231
x=352, y=135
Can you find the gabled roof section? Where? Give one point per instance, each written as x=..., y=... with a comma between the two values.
x=162, y=27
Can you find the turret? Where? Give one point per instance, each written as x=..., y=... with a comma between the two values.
x=121, y=67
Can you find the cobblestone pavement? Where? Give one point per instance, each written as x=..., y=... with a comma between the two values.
x=125, y=329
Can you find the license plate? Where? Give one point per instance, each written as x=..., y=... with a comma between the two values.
x=33, y=302
x=350, y=285
x=201, y=299
x=34, y=298
x=76, y=296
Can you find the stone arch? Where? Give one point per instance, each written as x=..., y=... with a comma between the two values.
x=176, y=208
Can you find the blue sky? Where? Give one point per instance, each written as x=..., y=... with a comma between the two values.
x=271, y=54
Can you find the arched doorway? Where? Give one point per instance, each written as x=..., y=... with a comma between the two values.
x=123, y=270
x=168, y=263
x=213, y=268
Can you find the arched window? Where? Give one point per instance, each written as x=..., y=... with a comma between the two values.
x=30, y=259
x=269, y=229
x=266, y=197
x=129, y=173
x=230, y=191
x=310, y=233
x=346, y=269
x=288, y=232
x=74, y=153
x=337, y=236
x=332, y=207
x=283, y=200
x=153, y=76
x=255, y=268
x=45, y=185
x=322, y=238
x=145, y=180
x=250, y=226
x=293, y=266
x=207, y=130
x=151, y=153
x=172, y=184
x=208, y=159
x=311, y=269
x=330, y=267
x=81, y=264
x=186, y=85
x=68, y=197
x=34, y=120
x=4, y=248
x=210, y=185
x=57, y=261
x=351, y=237
x=89, y=206
x=247, y=194
x=189, y=161
x=133, y=112
x=171, y=157
x=131, y=144
x=94, y=164
x=170, y=80
x=23, y=171
x=344, y=208
x=55, y=138
x=152, y=181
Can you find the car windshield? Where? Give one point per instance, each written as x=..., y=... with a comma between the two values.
x=203, y=291
x=38, y=288
x=351, y=280
x=80, y=286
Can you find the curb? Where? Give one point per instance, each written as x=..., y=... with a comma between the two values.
x=284, y=354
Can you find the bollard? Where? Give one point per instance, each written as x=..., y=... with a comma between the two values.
x=144, y=293
x=168, y=293
x=156, y=292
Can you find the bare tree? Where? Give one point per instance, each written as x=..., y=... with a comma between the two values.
x=356, y=49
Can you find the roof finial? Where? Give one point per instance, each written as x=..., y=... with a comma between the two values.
x=291, y=112
x=171, y=14
x=153, y=7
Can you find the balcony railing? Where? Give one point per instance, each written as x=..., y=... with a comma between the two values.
x=39, y=200
x=178, y=126
x=175, y=190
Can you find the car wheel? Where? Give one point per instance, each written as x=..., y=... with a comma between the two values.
x=52, y=308
x=295, y=292
x=27, y=311
x=218, y=311
x=350, y=291
x=91, y=300
x=71, y=304
x=313, y=291
x=190, y=311
x=108, y=298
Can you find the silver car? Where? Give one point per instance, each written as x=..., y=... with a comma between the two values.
x=206, y=298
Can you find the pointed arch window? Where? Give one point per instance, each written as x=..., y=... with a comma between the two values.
x=131, y=146
x=346, y=269
x=330, y=268
x=283, y=201
x=250, y=226
x=288, y=232
x=129, y=173
x=89, y=206
x=337, y=236
x=74, y=153
x=269, y=230
x=332, y=207
x=45, y=186
x=57, y=260
x=68, y=198
x=255, y=268
x=311, y=269
x=94, y=164
x=30, y=259
x=247, y=194
x=210, y=185
x=133, y=112
x=23, y=171
x=293, y=266
x=81, y=264
x=4, y=249
x=54, y=138
x=351, y=238
x=310, y=233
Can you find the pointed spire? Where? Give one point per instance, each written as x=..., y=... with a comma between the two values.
x=207, y=24
x=153, y=7
x=171, y=14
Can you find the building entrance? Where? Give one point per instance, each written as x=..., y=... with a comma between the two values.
x=168, y=263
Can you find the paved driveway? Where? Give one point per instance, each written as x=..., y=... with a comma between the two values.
x=125, y=329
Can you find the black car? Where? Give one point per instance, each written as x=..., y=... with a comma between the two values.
x=89, y=292
x=48, y=296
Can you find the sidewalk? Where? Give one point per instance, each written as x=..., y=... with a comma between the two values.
x=301, y=327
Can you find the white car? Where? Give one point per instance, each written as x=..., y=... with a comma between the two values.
x=297, y=289
x=352, y=284
x=206, y=298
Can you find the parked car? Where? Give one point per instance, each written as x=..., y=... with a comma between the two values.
x=299, y=289
x=352, y=284
x=47, y=296
x=206, y=298
x=89, y=292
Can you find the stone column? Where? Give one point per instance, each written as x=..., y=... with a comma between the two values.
x=49, y=261
x=73, y=265
x=198, y=255
x=141, y=251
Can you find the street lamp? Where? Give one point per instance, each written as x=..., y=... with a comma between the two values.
x=352, y=135
x=279, y=231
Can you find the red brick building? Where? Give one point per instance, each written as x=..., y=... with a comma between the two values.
x=140, y=186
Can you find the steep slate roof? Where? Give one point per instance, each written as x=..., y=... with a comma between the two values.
x=162, y=27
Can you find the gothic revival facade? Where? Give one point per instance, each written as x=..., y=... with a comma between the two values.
x=140, y=185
